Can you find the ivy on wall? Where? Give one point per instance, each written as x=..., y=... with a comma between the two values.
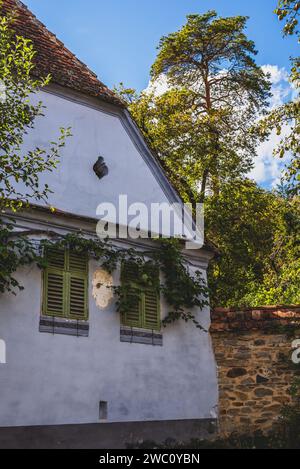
x=14, y=253
x=182, y=290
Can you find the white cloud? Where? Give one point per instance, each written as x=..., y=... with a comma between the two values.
x=2, y=92
x=268, y=169
x=159, y=86
x=277, y=74
x=282, y=89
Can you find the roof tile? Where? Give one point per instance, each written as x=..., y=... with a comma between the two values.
x=54, y=58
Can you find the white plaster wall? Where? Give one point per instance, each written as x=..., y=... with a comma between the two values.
x=56, y=379
x=95, y=133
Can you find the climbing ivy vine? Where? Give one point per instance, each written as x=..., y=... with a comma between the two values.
x=14, y=253
x=182, y=289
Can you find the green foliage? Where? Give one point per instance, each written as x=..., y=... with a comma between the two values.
x=289, y=113
x=15, y=252
x=19, y=171
x=282, y=438
x=288, y=11
x=168, y=124
x=200, y=126
x=239, y=222
x=17, y=115
x=97, y=249
x=291, y=412
x=202, y=129
x=280, y=118
x=182, y=290
x=257, y=232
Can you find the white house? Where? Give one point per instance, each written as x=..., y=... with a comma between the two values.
x=92, y=368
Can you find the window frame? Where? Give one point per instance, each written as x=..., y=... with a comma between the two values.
x=67, y=274
x=142, y=291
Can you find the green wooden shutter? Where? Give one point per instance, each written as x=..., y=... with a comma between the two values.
x=151, y=310
x=133, y=317
x=151, y=299
x=66, y=285
x=54, y=283
x=144, y=311
x=77, y=266
x=78, y=297
x=54, y=301
x=77, y=262
x=130, y=275
x=56, y=258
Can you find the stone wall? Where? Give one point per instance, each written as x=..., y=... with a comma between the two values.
x=253, y=352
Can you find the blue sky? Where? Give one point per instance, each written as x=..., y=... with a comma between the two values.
x=117, y=39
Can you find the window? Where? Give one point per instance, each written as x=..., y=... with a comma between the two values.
x=65, y=285
x=142, y=296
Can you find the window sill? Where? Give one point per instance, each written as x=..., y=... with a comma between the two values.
x=63, y=326
x=140, y=336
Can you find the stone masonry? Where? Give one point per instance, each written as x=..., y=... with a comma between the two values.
x=253, y=351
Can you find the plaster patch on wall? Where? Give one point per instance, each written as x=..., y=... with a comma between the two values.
x=102, y=293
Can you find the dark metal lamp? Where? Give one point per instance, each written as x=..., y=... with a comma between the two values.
x=100, y=168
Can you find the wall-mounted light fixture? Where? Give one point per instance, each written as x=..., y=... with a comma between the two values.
x=100, y=168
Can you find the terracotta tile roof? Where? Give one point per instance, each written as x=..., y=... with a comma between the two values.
x=54, y=58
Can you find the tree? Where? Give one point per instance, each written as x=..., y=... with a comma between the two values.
x=198, y=114
x=167, y=122
x=19, y=171
x=280, y=284
x=289, y=113
x=288, y=11
x=257, y=232
x=17, y=116
x=286, y=116
x=241, y=221
x=200, y=125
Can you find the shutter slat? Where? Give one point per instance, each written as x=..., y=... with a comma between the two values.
x=54, y=294
x=65, y=284
x=77, y=262
x=133, y=316
x=130, y=275
x=151, y=270
x=55, y=258
x=130, y=272
x=78, y=294
x=145, y=309
x=152, y=313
